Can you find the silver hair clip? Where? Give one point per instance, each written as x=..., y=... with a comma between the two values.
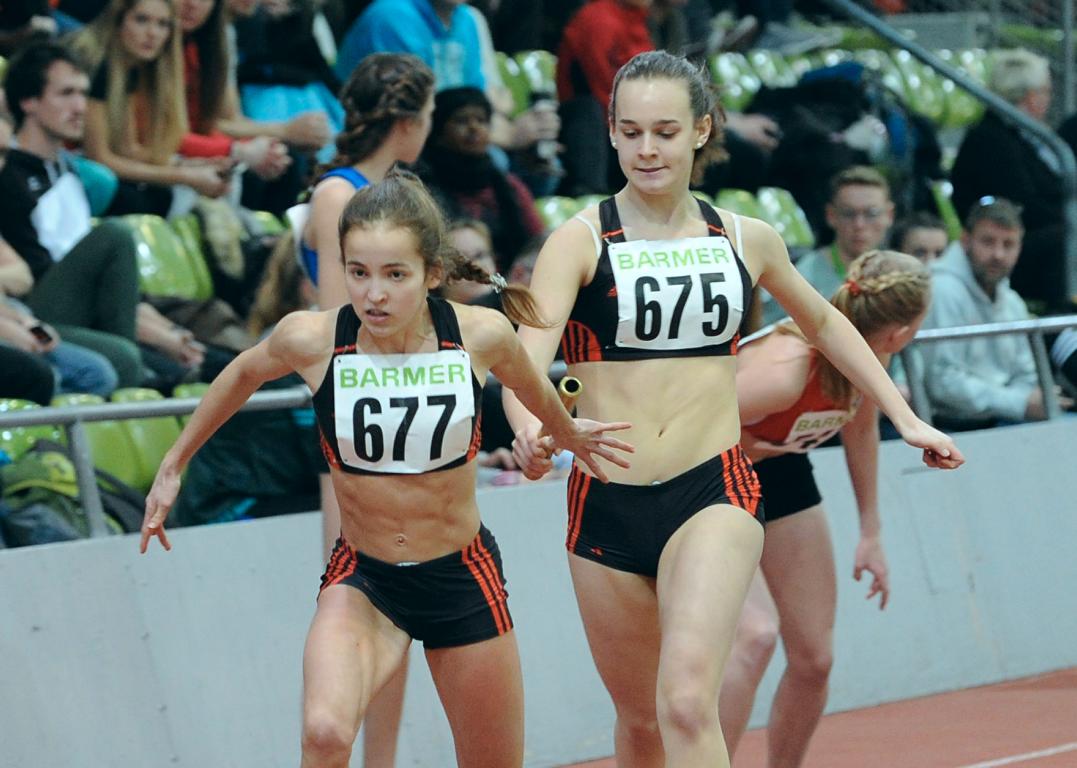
x=498, y=282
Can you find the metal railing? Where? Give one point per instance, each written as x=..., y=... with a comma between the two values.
x=1033, y=329
x=74, y=418
x=1005, y=110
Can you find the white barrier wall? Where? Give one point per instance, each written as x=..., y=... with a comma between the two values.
x=192, y=658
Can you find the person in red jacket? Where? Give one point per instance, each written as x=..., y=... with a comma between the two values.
x=601, y=37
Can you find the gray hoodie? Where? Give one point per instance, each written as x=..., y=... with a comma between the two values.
x=982, y=378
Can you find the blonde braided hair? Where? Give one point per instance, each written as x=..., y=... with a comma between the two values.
x=881, y=288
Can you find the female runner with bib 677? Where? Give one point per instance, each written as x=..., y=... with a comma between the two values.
x=397, y=381
x=646, y=293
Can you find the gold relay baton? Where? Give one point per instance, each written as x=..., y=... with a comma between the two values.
x=569, y=389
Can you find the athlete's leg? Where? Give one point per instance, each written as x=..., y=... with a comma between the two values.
x=381, y=726
x=352, y=649
x=620, y=615
x=481, y=689
x=703, y=578
x=798, y=563
x=753, y=647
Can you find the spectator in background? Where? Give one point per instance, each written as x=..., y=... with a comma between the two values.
x=283, y=77
x=213, y=104
x=22, y=21
x=23, y=375
x=464, y=179
x=472, y=239
x=984, y=381
x=136, y=120
x=921, y=234
x=598, y=39
x=860, y=212
x=81, y=280
x=451, y=37
x=1000, y=159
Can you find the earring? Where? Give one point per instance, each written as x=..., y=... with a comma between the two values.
x=699, y=145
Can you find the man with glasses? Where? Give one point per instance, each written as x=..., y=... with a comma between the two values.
x=989, y=380
x=860, y=212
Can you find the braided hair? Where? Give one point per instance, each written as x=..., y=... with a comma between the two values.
x=702, y=96
x=881, y=288
x=384, y=88
x=402, y=201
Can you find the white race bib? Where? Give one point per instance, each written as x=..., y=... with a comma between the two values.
x=814, y=428
x=676, y=294
x=403, y=414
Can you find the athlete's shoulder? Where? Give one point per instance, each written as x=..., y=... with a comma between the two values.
x=482, y=328
x=304, y=336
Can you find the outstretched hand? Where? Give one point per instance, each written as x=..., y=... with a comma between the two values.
x=159, y=503
x=939, y=449
x=589, y=439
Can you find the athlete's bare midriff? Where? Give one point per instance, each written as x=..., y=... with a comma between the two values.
x=683, y=411
x=408, y=518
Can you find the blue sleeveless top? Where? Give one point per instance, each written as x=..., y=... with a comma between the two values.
x=308, y=256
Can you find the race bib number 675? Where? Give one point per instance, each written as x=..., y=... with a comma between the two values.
x=403, y=413
x=676, y=294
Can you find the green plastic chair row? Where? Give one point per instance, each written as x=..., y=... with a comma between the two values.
x=528, y=74
x=771, y=204
x=170, y=260
x=131, y=449
x=939, y=99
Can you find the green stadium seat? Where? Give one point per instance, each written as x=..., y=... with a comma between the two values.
x=781, y=210
x=923, y=86
x=736, y=79
x=151, y=437
x=539, y=70
x=739, y=201
x=962, y=108
x=163, y=265
x=942, y=191
x=584, y=201
x=556, y=210
x=513, y=78
x=189, y=230
x=773, y=69
x=268, y=223
x=110, y=442
x=15, y=441
x=885, y=67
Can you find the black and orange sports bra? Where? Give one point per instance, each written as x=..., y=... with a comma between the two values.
x=659, y=298
x=399, y=414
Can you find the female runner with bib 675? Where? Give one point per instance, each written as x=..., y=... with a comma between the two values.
x=397, y=380
x=645, y=293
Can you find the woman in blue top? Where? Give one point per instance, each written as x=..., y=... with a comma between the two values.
x=397, y=378
x=388, y=102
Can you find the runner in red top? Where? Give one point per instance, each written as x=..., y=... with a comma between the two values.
x=792, y=400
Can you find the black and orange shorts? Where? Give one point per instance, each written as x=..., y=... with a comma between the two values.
x=456, y=599
x=626, y=527
x=788, y=484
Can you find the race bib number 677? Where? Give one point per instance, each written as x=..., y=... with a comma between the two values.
x=676, y=294
x=403, y=413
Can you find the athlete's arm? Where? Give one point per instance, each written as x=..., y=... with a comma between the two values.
x=860, y=440
x=326, y=204
x=829, y=331
x=511, y=365
x=285, y=350
x=560, y=270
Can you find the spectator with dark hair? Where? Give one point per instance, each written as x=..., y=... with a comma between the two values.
x=920, y=234
x=464, y=179
x=1001, y=159
x=860, y=212
x=83, y=280
x=985, y=381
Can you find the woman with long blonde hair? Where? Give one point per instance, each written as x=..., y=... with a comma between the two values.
x=136, y=118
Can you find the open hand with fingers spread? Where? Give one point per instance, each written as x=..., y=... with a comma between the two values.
x=589, y=439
